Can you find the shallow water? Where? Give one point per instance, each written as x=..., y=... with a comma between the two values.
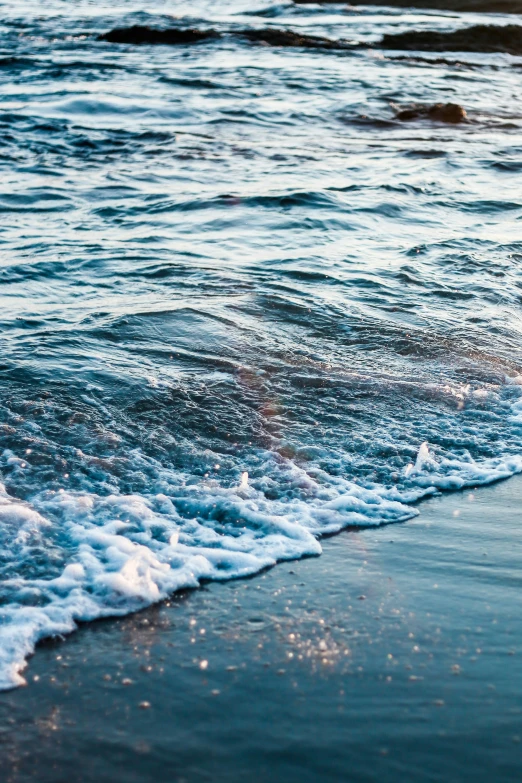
x=229, y=259
x=291, y=677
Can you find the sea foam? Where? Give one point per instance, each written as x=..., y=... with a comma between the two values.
x=125, y=552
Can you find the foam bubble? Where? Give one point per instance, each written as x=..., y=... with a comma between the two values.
x=124, y=552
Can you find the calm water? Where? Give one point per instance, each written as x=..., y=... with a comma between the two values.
x=230, y=259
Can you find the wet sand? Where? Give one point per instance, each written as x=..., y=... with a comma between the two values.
x=396, y=656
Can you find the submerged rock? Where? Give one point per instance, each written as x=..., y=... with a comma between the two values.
x=439, y=112
x=476, y=6
x=140, y=34
x=274, y=37
x=479, y=38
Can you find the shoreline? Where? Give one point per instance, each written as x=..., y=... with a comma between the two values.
x=398, y=649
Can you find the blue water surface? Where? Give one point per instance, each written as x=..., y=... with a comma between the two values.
x=238, y=295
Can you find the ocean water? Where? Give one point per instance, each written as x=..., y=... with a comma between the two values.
x=242, y=306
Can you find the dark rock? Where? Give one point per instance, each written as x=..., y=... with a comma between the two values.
x=140, y=34
x=413, y=58
x=476, y=6
x=409, y=114
x=439, y=112
x=273, y=37
x=174, y=36
x=447, y=112
x=480, y=38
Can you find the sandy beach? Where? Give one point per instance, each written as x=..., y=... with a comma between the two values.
x=395, y=655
